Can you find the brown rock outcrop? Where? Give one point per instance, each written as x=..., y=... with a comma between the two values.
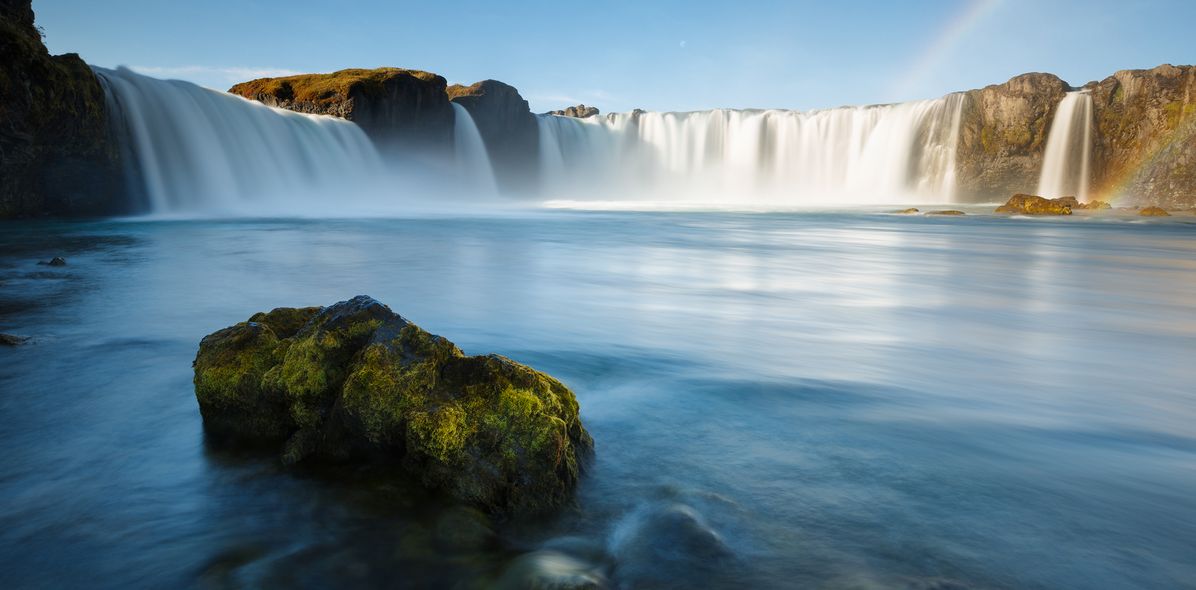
x=398, y=108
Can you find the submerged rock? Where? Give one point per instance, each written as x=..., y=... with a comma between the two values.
x=355, y=381
x=1024, y=204
x=946, y=212
x=551, y=570
x=653, y=544
x=12, y=340
x=1153, y=212
x=909, y=211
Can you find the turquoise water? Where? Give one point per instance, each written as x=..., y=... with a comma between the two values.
x=818, y=400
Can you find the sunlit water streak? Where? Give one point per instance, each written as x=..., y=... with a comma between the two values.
x=842, y=400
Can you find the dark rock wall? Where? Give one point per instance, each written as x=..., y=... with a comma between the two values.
x=56, y=152
x=400, y=109
x=508, y=128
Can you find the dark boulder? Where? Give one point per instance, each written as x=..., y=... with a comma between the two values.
x=356, y=382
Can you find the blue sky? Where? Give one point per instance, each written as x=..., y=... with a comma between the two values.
x=619, y=55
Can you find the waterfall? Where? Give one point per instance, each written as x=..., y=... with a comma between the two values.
x=876, y=154
x=1068, y=149
x=473, y=163
x=202, y=151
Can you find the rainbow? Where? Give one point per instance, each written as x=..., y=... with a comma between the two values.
x=1184, y=131
x=963, y=21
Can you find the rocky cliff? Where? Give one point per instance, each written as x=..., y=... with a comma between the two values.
x=1002, y=135
x=508, y=128
x=1144, y=136
x=398, y=108
x=56, y=153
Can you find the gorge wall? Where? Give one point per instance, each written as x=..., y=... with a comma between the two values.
x=57, y=155
x=1144, y=136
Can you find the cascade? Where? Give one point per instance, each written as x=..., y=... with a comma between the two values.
x=897, y=153
x=202, y=151
x=472, y=160
x=1069, y=149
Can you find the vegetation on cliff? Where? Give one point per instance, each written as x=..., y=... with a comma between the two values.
x=355, y=381
x=397, y=107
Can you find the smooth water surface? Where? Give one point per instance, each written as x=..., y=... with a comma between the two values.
x=817, y=400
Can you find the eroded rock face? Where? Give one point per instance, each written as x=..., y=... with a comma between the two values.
x=1003, y=133
x=1145, y=135
x=56, y=153
x=508, y=128
x=356, y=382
x=1023, y=204
x=580, y=111
x=398, y=108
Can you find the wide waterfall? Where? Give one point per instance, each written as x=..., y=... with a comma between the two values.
x=473, y=163
x=1069, y=149
x=897, y=153
x=202, y=151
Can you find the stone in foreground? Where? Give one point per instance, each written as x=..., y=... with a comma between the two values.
x=357, y=382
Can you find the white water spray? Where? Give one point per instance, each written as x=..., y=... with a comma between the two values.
x=1068, y=150
x=865, y=155
x=473, y=162
x=207, y=152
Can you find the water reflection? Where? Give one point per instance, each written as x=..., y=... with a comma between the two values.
x=821, y=400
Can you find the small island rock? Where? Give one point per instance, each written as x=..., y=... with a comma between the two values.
x=1024, y=204
x=1153, y=212
x=357, y=382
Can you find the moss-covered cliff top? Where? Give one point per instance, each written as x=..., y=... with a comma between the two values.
x=480, y=89
x=323, y=88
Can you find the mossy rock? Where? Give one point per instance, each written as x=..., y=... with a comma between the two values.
x=1023, y=204
x=356, y=382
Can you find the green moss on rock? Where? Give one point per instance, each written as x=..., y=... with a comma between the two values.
x=355, y=380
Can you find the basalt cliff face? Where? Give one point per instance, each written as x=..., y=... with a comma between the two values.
x=401, y=109
x=57, y=156
x=1143, y=136
x=507, y=126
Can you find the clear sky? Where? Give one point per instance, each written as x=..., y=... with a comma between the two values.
x=657, y=55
